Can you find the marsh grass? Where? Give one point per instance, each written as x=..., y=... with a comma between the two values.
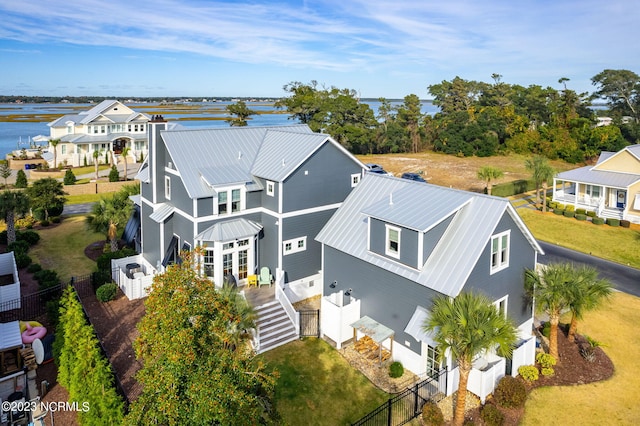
x=318, y=386
x=614, y=401
x=612, y=243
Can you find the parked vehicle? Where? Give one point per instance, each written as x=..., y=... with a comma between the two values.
x=413, y=176
x=376, y=168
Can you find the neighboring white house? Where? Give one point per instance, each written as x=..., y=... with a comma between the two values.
x=611, y=187
x=9, y=283
x=107, y=128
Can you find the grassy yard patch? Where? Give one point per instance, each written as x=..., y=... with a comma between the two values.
x=317, y=385
x=87, y=198
x=61, y=247
x=614, y=401
x=616, y=244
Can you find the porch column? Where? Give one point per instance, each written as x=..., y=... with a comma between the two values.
x=554, y=190
x=575, y=197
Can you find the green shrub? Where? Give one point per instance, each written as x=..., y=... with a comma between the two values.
x=561, y=206
x=56, y=219
x=21, y=179
x=69, y=177
x=104, y=261
x=528, y=372
x=508, y=189
x=547, y=371
x=52, y=308
x=552, y=205
x=510, y=392
x=568, y=213
x=26, y=222
x=31, y=237
x=570, y=208
x=107, y=292
x=114, y=175
x=558, y=211
x=581, y=216
x=545, y=360
x=18, y=247
x=396, y=369
x=597, y=221
x=34, y=267
x=546, y=329
x=45, y=222
x=613, y=222
x=581, y=211
x=98, y=278
x=22, y=260
x=625, y=223
x=491, y=415
x=591, y=213
x=432, y=414
x=45, y=275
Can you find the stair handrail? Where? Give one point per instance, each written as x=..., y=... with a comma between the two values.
x=281, y=297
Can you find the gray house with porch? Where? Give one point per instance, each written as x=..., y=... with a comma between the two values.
x=396, y=244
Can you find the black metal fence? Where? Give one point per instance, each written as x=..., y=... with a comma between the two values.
x=407, y=405
x=310, y=323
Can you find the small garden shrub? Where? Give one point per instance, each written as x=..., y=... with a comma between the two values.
x=552, y=204
x=558, y=211
x=31, y=237
x=22, y=260
x=114, y=175
x=56, y=219
x=26, y=222
x=581, y=216
x=597, y=221
x=34, y=267
x=588, y=353
x=98, y=278
x=581, y=211
x=613, y=222
x=561, y=206
x=570, y=208
x=45, y=222
x=510, y=392
x=568, y=213
x=625, y=223
x=21, y=179
x=18, y=247
x=396, y=369
x=591, y=213
x=528, y=372
x=52, y=308
x=432, y=414
x=547, y=371
x=491, y=415
x=545, y=360
x=69, y=177
x=546, y=329
x=104, y=261
x=107, y=292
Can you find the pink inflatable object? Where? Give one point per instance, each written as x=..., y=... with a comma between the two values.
x=33, y=333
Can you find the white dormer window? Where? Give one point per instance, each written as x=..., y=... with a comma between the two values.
x=355, y=180
x=500, y=251
x=271, y=188
x=392, y=243
x=167, y=187
x=230, y=201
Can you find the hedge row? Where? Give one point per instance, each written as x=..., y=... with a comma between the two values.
x=508, y=189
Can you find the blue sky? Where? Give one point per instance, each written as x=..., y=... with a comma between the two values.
x=198, y=48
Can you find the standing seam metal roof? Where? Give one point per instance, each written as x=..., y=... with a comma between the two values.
x=456, y=253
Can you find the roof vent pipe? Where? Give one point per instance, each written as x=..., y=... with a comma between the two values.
x=283, y=162
x=239, y=155
x=390, y=198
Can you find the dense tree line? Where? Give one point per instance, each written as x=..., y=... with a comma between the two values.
x=478, y=118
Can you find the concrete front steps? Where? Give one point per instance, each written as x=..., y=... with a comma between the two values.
x=275, y=327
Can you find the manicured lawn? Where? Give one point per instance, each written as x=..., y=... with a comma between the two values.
x=87, y=198
x=318, y=387
x=614, y=401
x=617, y=244
x=62, y=245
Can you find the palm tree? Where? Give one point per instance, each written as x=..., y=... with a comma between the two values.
x=546, y=174
x=588, y=292
x=54, y=143
x=541, y=172
x=549, y=291
x=125, y=152
x=465, y=327
x=12, y=203
x=108, y=215
x=242, y=318
x=96, y=160
x=487, y=174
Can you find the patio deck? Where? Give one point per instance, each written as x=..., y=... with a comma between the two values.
x=257, y=296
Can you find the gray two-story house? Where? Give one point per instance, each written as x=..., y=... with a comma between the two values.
x=253, y=197
x=396, y=244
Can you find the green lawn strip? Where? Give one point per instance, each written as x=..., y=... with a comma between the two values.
x=612, y=243
x=61, y=247
x=87, y=198
x=318, y=386
x=614, y=401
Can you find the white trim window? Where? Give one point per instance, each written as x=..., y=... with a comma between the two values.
x=209, y=261
x=167, y=187
x=230, y=201
x=271, y=188
x=501, y=305
x=295, y=245
x=355, y=180
x=392, y=241
x=500, y=251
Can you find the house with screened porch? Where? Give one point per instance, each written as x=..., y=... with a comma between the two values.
x=611, y=187
x=395, y=244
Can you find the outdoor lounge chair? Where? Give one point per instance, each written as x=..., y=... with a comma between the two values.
x=265, y=277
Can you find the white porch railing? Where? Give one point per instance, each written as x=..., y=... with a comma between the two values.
x=562, y=197
x=281, y=297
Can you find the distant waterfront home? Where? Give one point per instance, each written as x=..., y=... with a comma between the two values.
x=611, y=187
x=107, y=128
x=395, y=244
